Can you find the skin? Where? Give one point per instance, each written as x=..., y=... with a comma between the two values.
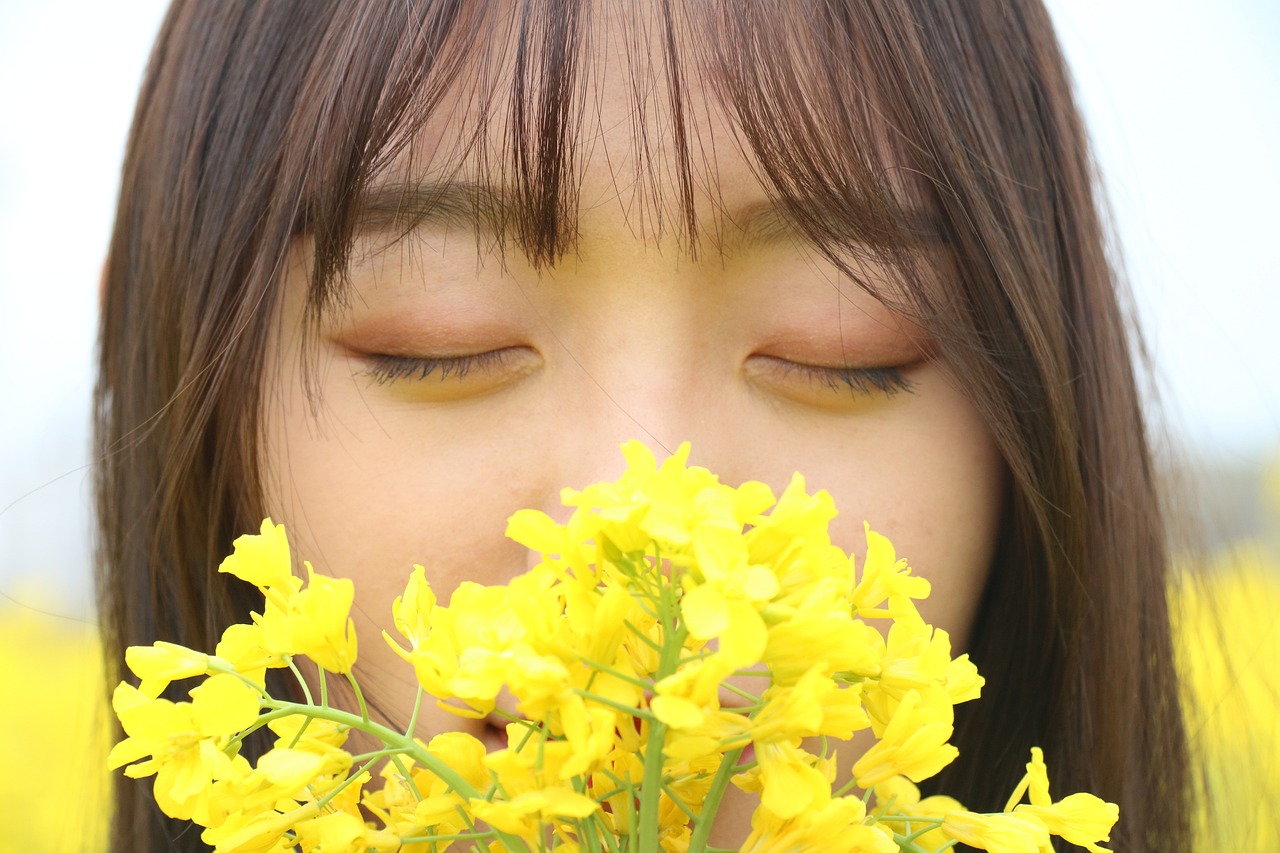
x=627, y=337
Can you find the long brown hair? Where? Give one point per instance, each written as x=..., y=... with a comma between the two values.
x=262, y=121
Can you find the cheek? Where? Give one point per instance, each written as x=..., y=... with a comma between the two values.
x=368, y=500
x=364, y=498
x=930, y=478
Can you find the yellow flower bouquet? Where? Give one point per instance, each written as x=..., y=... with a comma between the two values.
x=678, y=636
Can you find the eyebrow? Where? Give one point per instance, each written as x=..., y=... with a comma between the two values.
x=492, y=211
x=471, y=205
x=770, y=223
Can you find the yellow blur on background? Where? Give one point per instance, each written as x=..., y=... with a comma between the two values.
x=54, y=717
x=1229, y=648
x=53, y=728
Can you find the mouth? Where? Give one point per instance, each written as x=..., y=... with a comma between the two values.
x=494, y=733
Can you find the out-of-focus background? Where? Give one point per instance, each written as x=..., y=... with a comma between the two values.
x=1183, y=101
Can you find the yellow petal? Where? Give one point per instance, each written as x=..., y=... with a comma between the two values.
x=705, y=611
x=224, y=705
x=676, y=712
x=536, y=531
x=262, y=560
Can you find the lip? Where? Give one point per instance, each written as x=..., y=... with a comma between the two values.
x=494, y=733
x=500, y=717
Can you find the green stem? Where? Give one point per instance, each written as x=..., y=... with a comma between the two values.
x=849, y=786
x=621, y=676
x=408, y=778
x=640, y=602
x=907, y=845
x=587, y=826
x=694, y=658
x=615, y=792
x=610, y=839
x=395, y=740
x=651, y=786
x=930, y=824
x=413, y=719
x=351, y=778
x=301, y=730
x=306, y=691
x=907, y=842
x=673, y=638
x=217, y=664
x=380, y=753
x=680, y=803
x=619, y=706
x=745, y=695
x=457, y=836
x=711, y=805
x=234, y=743
x=642, y=636
x=364, y=709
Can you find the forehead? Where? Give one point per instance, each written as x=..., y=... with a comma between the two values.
x=603, y=120
x=649, y=111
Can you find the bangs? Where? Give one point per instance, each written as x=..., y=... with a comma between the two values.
x=496, y=104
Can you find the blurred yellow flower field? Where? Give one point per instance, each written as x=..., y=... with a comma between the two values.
x=54, y=721
x=1229, y=644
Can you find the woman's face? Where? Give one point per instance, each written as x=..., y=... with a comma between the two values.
x=460, y=385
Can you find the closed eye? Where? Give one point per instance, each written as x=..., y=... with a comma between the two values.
x=856, y=381
x=384, y=368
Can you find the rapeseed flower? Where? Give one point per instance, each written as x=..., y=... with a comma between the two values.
x=184, y=743
x=997, y=833
x=671, y=623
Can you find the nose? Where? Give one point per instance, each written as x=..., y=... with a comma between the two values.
x=640, y=352
x=655, y=395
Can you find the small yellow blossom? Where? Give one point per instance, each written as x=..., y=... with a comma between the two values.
x=899, y=796
x=914, y=744
x=535, y=794
x=246, y=650
x=726, y=604
x=787, y=779
x=885, y=578
x=997, y=833
x=343, y=832
x=259, y=831
x=834, y=827
x=161, y=663
x=183, y=740
x=1081, y=819
x=264, y=561
x=917, y=658
x=320, y=622
x=412, y=611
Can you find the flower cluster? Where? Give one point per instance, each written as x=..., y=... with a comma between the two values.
x=678, y=636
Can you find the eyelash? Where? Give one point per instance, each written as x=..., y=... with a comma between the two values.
x=861, y=381
x=390, y=368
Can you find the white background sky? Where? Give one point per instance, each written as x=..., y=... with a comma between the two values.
x=1182, y=97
